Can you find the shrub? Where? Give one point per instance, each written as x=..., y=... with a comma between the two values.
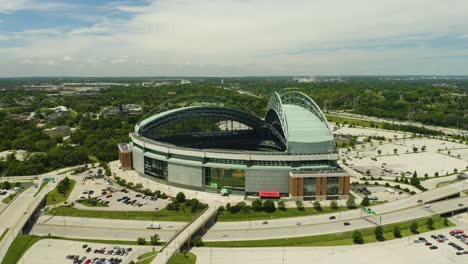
x=365, y=201
x=317, y=206
x=269, y=206
x=414, y=228
x=141, y=241
x=379, y=233
x=299, y=205
x=228, y=206
x=197, y=241
x=446, y=223
x=281, y=205
x=357, y=237
x=350, y=203
x=334, y=204
x=257, y=205
x=396, y=232
x=154, y=239
x=173, y=206
x=164, y=196
x=430, y=223
x=180, y=197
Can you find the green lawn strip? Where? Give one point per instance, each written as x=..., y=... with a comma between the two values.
x=54, y=197
x=180, y=258
x=10, y=197
x=19, y=246
x=147, y=257
x=88, y=203
x=161, y=215
x=43, y=184
x=4, y=233
x=335, y=239
x=290, y=212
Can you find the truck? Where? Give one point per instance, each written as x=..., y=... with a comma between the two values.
x=153, y=226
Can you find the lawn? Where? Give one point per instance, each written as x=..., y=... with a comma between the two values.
x=358, y=122
x=4, y=233
x=43, y=184
x=335, y=239
x=180, y=258
x=19, y=246
x=10, y=197
x=55, y=197
x=90, y=203
x=161, y=215
x=290, y=212
x=147, y=257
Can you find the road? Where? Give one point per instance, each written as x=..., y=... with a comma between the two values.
x=94, y=228
x=318, y=225
x=388, y=252
x=17, y=214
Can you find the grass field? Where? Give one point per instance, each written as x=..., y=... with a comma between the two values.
x=161, y=215
x=290, y=212
x=54, y=197
x=147, y=257
x=23, y=242
x=4, y=233
x=335, y=239
x=88, y=203
x=180, y=258
x=19, y=246
x=43, y=184
x=10, y=197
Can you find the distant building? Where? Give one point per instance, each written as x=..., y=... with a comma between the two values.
x=122, y=111
x=125, y=156
x=56, y=113
x=58, y=131
x=185, y=82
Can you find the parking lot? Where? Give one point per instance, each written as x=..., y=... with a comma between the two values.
x=114, y=197
x=56, y=251
x=433, y=160
x=381, y=193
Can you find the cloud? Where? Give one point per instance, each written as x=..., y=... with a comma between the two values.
x=9, y=6
x=253, y=37
x=67, y=58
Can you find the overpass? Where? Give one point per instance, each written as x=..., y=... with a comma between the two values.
x=23, y=210
x=185, y=235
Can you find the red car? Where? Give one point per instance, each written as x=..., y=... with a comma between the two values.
x=109, y=196
x=455, y=232
x=428, y=244
x=87, y=261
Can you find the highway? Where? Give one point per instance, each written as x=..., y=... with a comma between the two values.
x=94, y=228
x=321, y=225
x=18, y=213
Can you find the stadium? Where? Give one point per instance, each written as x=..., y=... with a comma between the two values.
x=214, y=147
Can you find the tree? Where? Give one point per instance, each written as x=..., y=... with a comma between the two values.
x=154, y=239
x=396, y=232
x=423, y=148
x=317, y=206
x=368, y=172
x=269, y=206
x=180, y=197
x=357, y=237
x=350, y=203
x=6, y=185
x=365, y=201
x=379, y=152
x=395, y=151
x=414, y=228
x=257, y=205
x=281, y=205
x=446, y=222
x=18, y=184
x=299, y=205
x=197, y=241
x=415, y=149
x=334, y=204
x=379, y=233
x=228, y=206
x=430, y=223
x=138, y=186
x=414, y=180
x=141, y=241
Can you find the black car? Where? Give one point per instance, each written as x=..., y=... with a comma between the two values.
x=332, y=217
x=346, y=223
x=433, y=247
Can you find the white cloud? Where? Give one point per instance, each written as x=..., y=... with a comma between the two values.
x=8, y=6
x=67, y=58
x=252, y=37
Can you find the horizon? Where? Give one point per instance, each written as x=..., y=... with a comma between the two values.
x=232, y=38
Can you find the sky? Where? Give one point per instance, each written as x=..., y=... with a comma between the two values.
x=233, y=37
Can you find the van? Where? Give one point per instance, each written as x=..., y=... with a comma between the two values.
x=153, y=226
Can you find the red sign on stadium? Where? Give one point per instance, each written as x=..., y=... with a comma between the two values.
x=269, y=194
